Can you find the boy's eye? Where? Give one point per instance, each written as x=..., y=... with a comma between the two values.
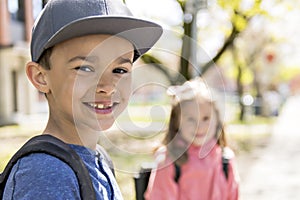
x=206, y=118
x=120, y=71
x=84, y=68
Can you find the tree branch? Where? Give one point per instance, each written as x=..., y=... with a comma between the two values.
x=227, y=44
x=148, y=59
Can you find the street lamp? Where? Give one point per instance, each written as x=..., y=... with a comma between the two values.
x=192, y=8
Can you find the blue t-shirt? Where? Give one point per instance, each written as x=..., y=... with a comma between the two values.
x=44, y=177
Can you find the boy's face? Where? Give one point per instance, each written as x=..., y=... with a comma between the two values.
x=89, y=81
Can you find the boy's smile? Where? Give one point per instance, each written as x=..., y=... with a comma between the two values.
x=100, y=107
x=89, y=82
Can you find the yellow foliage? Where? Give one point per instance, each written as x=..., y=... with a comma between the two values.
x=288, y=73
x=239, y=22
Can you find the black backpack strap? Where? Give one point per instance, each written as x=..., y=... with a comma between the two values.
x=225, y=163
x=141, y=181
x=57, y=148
x=177, y=172
x=227, y=155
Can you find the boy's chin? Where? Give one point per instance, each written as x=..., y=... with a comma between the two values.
x=96, y=125
x=103, y=126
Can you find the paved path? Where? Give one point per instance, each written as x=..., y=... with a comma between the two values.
x=275, y=174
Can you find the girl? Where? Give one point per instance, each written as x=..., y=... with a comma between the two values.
x=192, y=164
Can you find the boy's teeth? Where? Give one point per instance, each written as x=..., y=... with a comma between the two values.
x=99, y=106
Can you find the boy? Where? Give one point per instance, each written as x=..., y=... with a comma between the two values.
x=82, y=55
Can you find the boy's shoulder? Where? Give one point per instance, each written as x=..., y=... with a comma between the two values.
x=42, y=164
x=41, y=173
x=48, y=159
x=40, y=180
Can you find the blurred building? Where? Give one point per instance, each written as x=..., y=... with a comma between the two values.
x=18, y=97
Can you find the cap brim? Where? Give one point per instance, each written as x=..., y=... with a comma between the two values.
x=141, y=33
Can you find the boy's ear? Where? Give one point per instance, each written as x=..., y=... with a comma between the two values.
x=37, y=76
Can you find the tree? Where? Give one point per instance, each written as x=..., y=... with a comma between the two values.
x=240, y=17
x=240, y=20
x=186, y=50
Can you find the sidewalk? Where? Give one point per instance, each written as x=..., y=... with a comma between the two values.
x=275, y=174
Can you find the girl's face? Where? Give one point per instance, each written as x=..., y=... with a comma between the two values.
x=198, y=121
x=89, y=81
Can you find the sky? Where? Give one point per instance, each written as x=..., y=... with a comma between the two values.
x=167, y=11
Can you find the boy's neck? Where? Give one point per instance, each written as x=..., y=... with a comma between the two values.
x=87, y=138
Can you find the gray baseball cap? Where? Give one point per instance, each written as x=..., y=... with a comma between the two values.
x=61, y=20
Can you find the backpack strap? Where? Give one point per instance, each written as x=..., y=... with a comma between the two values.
x=227, y=155
x=225, y=163
x=141, y=181
x=177, y=172
x=57, y=148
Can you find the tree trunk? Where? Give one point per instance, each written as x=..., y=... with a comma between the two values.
x=240, y=88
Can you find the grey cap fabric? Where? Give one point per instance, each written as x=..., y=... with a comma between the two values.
x=61, y=20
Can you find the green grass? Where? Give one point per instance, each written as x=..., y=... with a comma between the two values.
x=4, y=160
x=11, y=139
x=254, y=120
x=252, y=133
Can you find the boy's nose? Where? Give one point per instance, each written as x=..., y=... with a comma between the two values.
x=106, y=86
x=105, y=89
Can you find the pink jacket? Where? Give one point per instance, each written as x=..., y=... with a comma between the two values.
x=201, y=178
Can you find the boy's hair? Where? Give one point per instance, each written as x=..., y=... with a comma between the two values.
x=61, y=20
x=44, y=60
x=180, y=95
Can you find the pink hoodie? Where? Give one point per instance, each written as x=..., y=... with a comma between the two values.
x=202, y=177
